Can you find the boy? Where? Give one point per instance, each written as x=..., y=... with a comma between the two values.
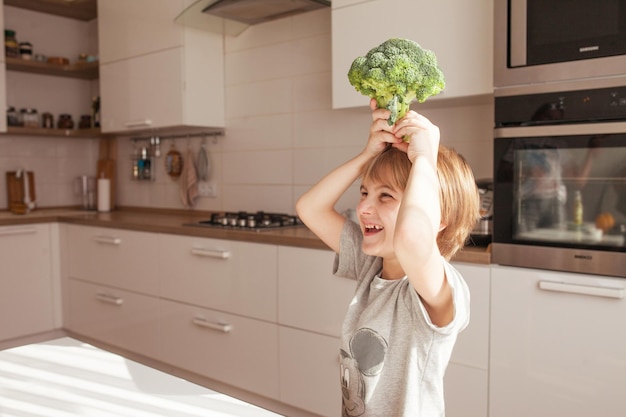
x=418, y=204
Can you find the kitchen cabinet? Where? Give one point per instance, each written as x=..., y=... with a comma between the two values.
x=114, y=257
x=27, y=290
x=121, y=318
x=49, y=87
x=459, y=32
x=557, y=344
x=312, y=303
x=233, y=349
x=112, y=286
x=466, y=383
x=226, y=275
x=155, y=73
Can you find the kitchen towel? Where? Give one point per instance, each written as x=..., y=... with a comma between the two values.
x=104, y=194
x=189, y=181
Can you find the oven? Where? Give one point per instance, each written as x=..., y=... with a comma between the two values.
x=539, y=41
x=560, y=181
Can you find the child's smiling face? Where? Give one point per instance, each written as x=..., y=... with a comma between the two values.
x=377, y=211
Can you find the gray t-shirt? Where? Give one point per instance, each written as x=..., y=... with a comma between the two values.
x=393, y=358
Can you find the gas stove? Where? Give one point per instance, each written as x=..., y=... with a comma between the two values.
x=254, y=221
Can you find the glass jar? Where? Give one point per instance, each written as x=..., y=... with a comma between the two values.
x=65, y=122
x=31, y=118
x=11, y=47
x=26, y=50
x=85, y=121
x=12, y=117
x=47, y=120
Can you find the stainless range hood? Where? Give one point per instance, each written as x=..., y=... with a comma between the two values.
x=232, y=17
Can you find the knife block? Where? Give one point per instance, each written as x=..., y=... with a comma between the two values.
x=16, y=193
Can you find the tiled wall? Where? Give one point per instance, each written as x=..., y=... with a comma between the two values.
x=282, y=134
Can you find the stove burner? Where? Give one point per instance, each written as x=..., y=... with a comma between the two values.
x=242, y=220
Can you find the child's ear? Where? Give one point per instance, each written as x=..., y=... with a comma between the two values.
x=442, y=226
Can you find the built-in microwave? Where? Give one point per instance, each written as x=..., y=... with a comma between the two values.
x=560, y=181
x=540, y=41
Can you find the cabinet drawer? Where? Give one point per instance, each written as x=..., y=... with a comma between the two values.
x=557, y=344
x=310, y=297
x=235, y=350
x=118, y=258
x=117, y=317
x=309, y=371
x=235, y=277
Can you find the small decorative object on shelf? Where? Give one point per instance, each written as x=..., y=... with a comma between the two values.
x=11, y=46
x=65, y=122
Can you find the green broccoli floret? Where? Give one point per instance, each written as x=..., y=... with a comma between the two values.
x=395, y=73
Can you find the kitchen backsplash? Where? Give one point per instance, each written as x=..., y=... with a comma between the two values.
x=282, y=134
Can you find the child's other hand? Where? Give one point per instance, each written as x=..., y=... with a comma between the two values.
x=423, y=136
x=380, y=132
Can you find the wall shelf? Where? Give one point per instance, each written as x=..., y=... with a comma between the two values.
x=80, y=10
x=70, y=133
x=85, y=71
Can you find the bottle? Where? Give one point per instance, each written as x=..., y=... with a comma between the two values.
x=26, y=50
x=11, y=46
x=578, y=208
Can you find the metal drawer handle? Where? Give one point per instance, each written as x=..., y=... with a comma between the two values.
x=110, y=299
x=109, y=240
x=610, y=292
x=221, y=327
x=211, y=253
x=18, y=231
x=138, y=123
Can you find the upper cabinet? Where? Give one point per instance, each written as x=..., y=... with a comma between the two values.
x=155, y=73
x=459, y=32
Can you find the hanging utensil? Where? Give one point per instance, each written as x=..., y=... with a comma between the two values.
x=173, y=162
x=203, y=163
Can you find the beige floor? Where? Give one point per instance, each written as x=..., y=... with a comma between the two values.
x=68, y=378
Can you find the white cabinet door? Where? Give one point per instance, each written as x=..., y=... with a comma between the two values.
x=155, y=73
x=309, y=371
x=226, y=275
x=310, y=297
x=114, y=257
x=26, y=285
x=466, y=391
x=236, y=350
x=459, y=32
x=121, y=318
x=557, y=344
x=130, y=28
x=465, y=383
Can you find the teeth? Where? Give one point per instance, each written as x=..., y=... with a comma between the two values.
x=373, y=226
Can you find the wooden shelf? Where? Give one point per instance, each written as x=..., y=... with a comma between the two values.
x=85, y=71
x=70, y=133
x=76, y=9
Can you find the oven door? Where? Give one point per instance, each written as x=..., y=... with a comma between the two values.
x=560, y=197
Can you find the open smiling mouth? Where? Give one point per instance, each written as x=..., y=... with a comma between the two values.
x=370, y=229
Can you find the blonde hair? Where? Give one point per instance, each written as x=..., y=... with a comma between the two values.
x=458, y=194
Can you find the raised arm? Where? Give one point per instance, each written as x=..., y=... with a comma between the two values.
x=316, y=207
x=419, y=220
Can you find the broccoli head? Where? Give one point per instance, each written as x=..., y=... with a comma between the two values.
x=395, y=73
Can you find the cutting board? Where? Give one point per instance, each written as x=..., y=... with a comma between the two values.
x=15, y=191
x=106, y=166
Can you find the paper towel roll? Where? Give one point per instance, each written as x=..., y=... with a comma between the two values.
x=104, y=194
